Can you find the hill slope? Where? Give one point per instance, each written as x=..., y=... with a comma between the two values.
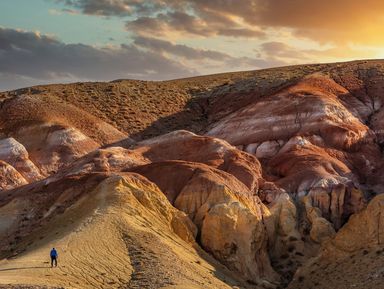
x=144, y=108
x=273, y=193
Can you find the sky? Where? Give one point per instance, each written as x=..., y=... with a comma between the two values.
x=60, y=41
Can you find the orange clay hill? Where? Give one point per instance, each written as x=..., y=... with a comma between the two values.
x=259, y=179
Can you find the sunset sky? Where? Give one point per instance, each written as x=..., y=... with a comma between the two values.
x=50, y=41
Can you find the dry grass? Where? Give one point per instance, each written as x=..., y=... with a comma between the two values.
x=146, y=108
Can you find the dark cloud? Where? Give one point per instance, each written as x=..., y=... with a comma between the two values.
x=164, y=17
x=162, y=46
x=222, y=61
x=167, y=23
x=27, y=55
x=100, y=7
x=118, y=8
x=342, y=21
x=28, y=58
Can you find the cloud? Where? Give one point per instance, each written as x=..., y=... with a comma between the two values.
x=342, y=21
x=205, y=61
x=100, y=7
x=168, y=17
x=166, y=47
x=29, y=55
x=165, y=24
x=288, y=53
x=328, y=21
x=119, y=8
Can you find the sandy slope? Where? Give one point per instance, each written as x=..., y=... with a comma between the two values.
x=138, y=248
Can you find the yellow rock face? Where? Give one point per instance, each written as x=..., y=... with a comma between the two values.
x=364, y=229
x=237, y=237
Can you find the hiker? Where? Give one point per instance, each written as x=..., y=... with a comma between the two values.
x=53, y=255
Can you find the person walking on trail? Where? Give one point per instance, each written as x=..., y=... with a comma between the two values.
x=54, y=256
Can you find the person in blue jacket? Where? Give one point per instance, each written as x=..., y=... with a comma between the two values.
x=54, y=256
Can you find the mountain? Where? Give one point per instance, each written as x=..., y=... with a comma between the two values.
x=260, y=179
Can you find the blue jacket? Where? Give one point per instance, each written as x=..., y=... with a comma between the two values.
x=54, y=253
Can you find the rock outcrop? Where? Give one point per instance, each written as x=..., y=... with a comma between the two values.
x=9, y=177
x=353, y=255
x=15, y=154
x=364, y=229
x=228, y=216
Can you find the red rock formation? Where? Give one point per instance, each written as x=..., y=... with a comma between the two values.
x=310, y=143
x=308, y=107
x=211, y=151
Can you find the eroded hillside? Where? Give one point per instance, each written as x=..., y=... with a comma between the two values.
x=274, y=181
